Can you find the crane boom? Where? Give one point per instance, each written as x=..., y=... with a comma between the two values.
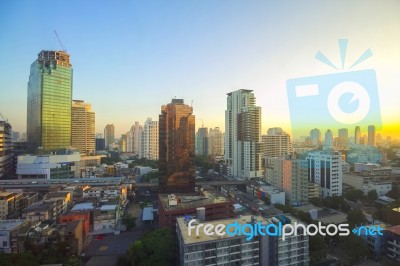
x=59, y=41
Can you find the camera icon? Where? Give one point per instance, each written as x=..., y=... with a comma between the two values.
x=333, y=101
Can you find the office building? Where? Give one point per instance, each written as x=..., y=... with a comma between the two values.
x=357, y=135
x=6, y=150
x=328, y=139
x=109, y=136
x=201, y=249
x=149, y=140
x=202, y=141
x=216, y=141
x=49, y=102
x=277, y=143
x=176, y=147
x=100, y=142
x=243, y=147
x=343, y=139
x=315, y=136
x=371, y=136
x=83, y=128
x=325, y=168
x=134, y=137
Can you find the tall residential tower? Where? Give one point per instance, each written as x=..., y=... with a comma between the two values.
x=49, y=102
x=83, y=128
x=243, y=148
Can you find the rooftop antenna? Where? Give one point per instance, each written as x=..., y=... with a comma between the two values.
x=59, y=41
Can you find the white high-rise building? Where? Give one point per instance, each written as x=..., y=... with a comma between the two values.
x=243, y=147
x=325, y=169
x=133, y=138
x=315, y=136
x=149, y=140
x=216, y=141
x=277, y=143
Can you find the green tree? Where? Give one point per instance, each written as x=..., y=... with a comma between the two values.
x=372, y=195
x=354, y=195
x=318, y=249
x=20, y=259
x=156, y=248
x=267, y=200
x=354, y=247
x=356, y=217
x=73, y=261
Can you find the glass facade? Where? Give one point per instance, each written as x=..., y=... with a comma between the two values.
x=49, y=102
x=176, y=148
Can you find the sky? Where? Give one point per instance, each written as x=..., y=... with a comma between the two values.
x=131, y=57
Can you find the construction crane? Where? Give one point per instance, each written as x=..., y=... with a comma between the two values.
x=4, y=119
x=59, y=41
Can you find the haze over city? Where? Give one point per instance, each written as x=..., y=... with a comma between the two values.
x=129, y=58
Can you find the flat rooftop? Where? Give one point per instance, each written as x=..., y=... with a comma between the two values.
x=193, y=200
x=7, y=225
x=245, y=219
x=83, y=206
x=39, y=206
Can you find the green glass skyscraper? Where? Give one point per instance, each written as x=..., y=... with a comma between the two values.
x=49, y=102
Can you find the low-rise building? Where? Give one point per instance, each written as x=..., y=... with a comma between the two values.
x=101, y=192
x=61, y=198
x=40, y=211
x=313, y=190
x=52, y=166
x=72, y=233
x=393, y=243
x=216, y=205
x=105, y=217
x=83, y=216
x=9, y=230
x=367, y=183
x=9, y=204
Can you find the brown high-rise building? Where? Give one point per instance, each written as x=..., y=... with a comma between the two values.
x=176, y=148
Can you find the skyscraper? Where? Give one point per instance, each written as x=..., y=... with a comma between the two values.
x=315, y=136
x=277, y=143
x=371, y=136
x=83, y=127
x=109, y=136
x=150, y=139
x=6, y=149
x=49, y=102
x=176, y=147
x=216, y=141
x=202, y=141
x=328, y=139
x=357, y=135
x=243, y=148
x=343, y=134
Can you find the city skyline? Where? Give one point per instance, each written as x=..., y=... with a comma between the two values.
x=139, y=55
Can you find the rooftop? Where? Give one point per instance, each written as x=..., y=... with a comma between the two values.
x=39, y=206
x=148, y=214
x=8, y=225
x=83, y=206
x=193, y=200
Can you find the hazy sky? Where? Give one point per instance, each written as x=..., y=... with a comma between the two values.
x=130, y=57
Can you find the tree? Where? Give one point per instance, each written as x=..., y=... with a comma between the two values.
x=318, y=249
x=354, y=194
x=372, y=195
x=20, y=259
x=73, y=261
x=266, y=200
x=156, y=248
x=354, y=247
x=356, y=217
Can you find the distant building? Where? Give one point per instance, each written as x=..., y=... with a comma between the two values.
x=371, y=136
x=357, y=135
x=325, y=168
x=109, y=136
x=243, y=147
x=49, y=166
x=315, y=136
x=100, y=143
x=277, y=143
x=149, y=140
x=83, y=127
x=176, y=147
x=343, y=139
x=216, y=141
x=328, y=139
x=6, y=150
x=49, y=102
x=202, y=141
x=134, y=136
